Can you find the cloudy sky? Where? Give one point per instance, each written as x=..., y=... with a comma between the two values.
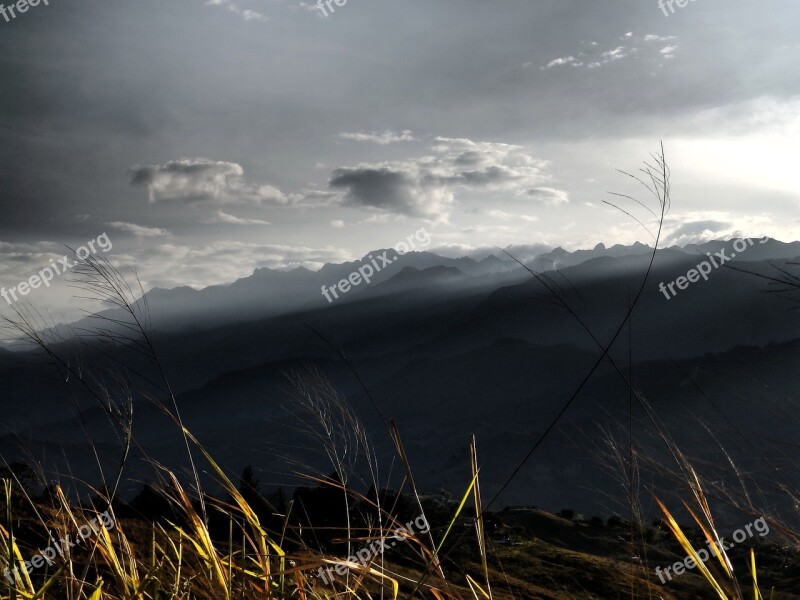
x=209, y=138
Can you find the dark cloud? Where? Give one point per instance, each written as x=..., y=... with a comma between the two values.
x=427, y=186
x=382, y=189
x=548, y=195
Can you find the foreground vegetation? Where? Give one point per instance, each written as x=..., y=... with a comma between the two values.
x=158, y=546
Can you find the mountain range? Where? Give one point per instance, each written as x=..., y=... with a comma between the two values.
x=445, y=347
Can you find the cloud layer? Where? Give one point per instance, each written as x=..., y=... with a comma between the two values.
x=383, y=138
x=138, y=230
x=427, y=186
x=203, y=180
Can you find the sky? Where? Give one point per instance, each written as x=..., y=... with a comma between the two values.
x=210, y=138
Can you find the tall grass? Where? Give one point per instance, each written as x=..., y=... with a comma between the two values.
x=184, y=558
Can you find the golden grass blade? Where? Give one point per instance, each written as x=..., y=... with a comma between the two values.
x=395, y=584
x=21, y=573
x=154, y=575
x=48, y=584
x=13, y=548
x=264, y=538
x=479, y=524
x=353, y=593
x=473, y=585
x=472, y=588
x=756, y=593
x=98, y=593
x=106, y=547
x=179, y=557
x=359, y=568
x=457, y=513
x=436, y=593
x=434, y=555
x=713, y=539
x=711, y=532
x=202, y=538
x=406, y=463
x=687, y=546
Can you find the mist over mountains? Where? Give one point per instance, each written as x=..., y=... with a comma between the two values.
x=448, y=347
x=270, y=292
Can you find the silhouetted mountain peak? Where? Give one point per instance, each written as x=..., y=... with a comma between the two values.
x=490, y=259
x=438, y=274
x=177, y=293
x=390, y=252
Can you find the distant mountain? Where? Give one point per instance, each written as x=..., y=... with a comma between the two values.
x=269, y=292
x=771, y=250
x=523, y=252
x=560, y=258
x=449, y=347
x=410, y=278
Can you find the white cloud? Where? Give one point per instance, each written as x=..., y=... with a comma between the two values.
x=382, y=218
x=696, y=227
x=610, y=56
x=225, y=218
x=21, y=261
x=651, y=37
x=616, y=54
x=693, y=229
x=557, y=62
x=246, y=14
x=764, y=115
x=490, y=229
x=219, y=263
x=307, y=7
x=18, y=261
x=382, y=138
x=506, y=216
x=203, y=180
x=590, y=58
x=138, y=230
